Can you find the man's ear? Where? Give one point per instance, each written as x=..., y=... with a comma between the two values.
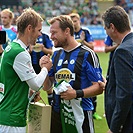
x=112, y=27
x=67, y=31
x=29, y=27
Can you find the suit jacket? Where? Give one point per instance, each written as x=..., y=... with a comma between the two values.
x=119, y=89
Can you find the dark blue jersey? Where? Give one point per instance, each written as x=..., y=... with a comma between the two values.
x=109, y=42
x=35, y=56
x=88, y=36
x=79, y=67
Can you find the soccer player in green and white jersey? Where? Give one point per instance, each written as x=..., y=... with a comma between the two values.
x=17, y=74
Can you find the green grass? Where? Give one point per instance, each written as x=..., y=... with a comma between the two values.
x=100, y=125
x=103, y=57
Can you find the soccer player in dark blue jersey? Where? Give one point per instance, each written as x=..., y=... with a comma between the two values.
x=82, y=34
x=43, y=47
x=78, y=65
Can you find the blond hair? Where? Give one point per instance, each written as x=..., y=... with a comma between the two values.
x=73, y=15
x=11, y=15
x=28, y=17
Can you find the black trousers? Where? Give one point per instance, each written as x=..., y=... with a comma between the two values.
x=56, y=125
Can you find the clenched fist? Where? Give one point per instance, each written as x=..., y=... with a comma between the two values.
x=45, y=61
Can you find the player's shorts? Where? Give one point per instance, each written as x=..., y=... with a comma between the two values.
x=88, y=125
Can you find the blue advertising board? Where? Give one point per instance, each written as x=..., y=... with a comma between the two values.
x=98, y=32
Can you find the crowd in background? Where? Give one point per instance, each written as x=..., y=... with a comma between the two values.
x=88, y=11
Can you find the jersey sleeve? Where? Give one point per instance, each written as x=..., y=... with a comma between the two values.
x=93, y=68
x=88, y=35
x=47, y=41
x=108, y=41
x=23, y=66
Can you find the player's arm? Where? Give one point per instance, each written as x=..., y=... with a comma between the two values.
x=48, y=83
x=95, y=76
x=47, y=44
x=47, y=50
x=95, y=89
x=110, y=48
x=89, y=44
x=26, y=71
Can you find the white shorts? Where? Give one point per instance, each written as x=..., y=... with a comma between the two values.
x=10, y=129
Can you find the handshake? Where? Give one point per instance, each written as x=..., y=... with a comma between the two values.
x=46, y=61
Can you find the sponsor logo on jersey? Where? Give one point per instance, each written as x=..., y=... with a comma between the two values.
x=30, y=70
x=8, y=48
x=65, y=62
x=65, y=74
x=40, y=40
x=72, y=61
x=60, y=62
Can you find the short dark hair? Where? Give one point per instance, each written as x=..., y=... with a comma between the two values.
x=118, y=17
x=64, y=22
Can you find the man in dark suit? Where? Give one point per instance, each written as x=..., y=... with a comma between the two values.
x=119, y=90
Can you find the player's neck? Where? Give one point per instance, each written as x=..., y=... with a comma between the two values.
x=77, y=29
x=23, y=39
x=72, y=44
x=7, y=26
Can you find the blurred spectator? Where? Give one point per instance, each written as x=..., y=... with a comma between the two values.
x=43, y=47
x=87, y=10
x=16, y=14
x=11, y=32
x=81, y=34
x=96, y=20
x=50, y=8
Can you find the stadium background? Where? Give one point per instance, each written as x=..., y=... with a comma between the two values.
x=90, y=12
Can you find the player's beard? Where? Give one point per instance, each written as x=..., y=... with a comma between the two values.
x=61, y=43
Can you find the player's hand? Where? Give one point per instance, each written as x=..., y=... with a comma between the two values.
x=82, y=36
x=68, y=94
x=102, y=84
x=37, y=96
x=41, y=46
x=46, y=61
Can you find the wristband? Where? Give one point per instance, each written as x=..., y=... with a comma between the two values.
x=79, y=93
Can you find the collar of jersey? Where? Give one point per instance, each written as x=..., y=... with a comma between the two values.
x=73, y=48
x=21, y=43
